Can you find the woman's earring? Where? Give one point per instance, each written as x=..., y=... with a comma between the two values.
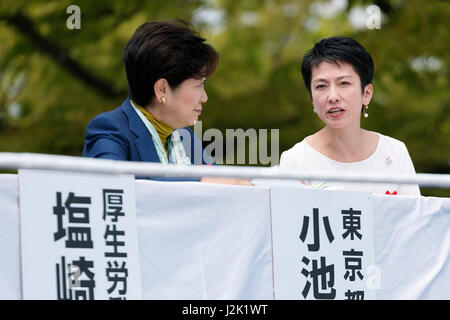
x=163, y=100
x=314, y=110
x=365, y=112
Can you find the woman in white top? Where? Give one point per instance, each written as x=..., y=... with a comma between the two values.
x=338, y=73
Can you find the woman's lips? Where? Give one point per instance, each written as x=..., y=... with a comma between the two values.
x=336, y=112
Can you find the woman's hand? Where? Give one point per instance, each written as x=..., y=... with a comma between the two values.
x=233, y=181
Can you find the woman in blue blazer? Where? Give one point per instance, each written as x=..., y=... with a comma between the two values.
x=166, y=66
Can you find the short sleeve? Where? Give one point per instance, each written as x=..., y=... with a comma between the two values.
x=287, y=161
x=406, y=167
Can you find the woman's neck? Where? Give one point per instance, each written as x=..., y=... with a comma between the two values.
x=156, y=113
x=344, y=144
x=162, y=128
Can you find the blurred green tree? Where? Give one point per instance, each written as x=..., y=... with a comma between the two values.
x=54, y=80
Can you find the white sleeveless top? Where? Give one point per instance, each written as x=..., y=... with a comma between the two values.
x=390, y=156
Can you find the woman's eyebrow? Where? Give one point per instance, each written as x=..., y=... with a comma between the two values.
x=320, y=80
x=338, y=78
x=346, y=76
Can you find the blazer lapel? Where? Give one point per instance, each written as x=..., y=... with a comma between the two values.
x=144, y=141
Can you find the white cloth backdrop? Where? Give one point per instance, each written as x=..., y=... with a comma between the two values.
x=205, y=241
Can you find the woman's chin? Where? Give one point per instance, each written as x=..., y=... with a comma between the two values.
x=193, y=122
x=336, y=125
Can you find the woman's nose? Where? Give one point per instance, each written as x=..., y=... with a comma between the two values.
x=333, y=95
x=204, y=97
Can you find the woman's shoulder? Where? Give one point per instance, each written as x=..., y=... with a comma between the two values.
x=295, y=156
x=390, y=148
x=115, y=118
x=298, y=147
x=390, y=142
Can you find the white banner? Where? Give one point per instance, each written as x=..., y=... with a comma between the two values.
x=206, y=241
x=322, y=244
x=78, y=236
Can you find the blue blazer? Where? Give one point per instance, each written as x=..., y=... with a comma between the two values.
x=120, y=134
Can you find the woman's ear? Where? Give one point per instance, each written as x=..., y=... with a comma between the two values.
x=367, y=96
x=161, y=88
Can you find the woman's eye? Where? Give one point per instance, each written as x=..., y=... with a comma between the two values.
x=320, y=86
x=345, y=83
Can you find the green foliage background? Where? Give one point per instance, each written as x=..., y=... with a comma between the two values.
x=53, y=80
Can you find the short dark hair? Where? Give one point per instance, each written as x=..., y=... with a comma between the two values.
x=170, y=50
x=336, y=50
